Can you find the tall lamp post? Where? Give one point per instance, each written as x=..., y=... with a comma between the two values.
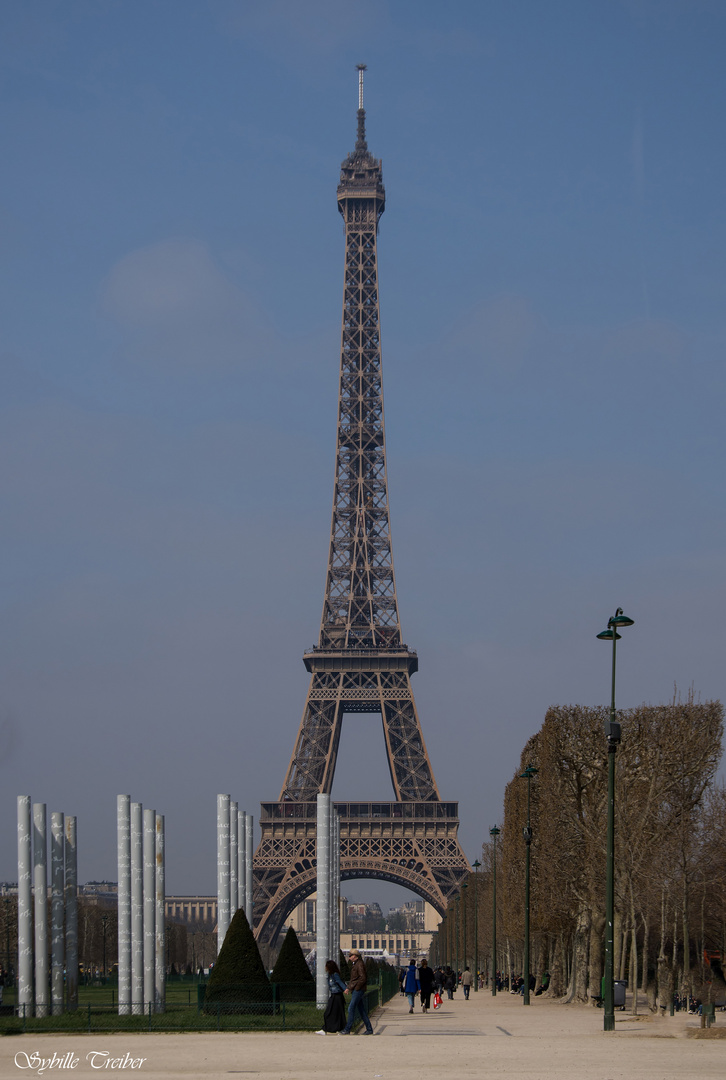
x=612, y=732
x=456, y=969
x=476, y=864
x=527, y=775
x=494, y=833
x=463, y=905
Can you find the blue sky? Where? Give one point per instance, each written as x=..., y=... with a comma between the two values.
x=553, y=277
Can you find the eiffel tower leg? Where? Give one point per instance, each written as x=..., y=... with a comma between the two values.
x=408, y=761
x=312, y=765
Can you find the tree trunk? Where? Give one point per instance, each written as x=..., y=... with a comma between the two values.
x=686, y=942
x=558, y=980
x=617, y=941
x=644, y=955
x=633, y=953
x=623, y=943
x=594, y=989
x=580, y=947
x=664, y=977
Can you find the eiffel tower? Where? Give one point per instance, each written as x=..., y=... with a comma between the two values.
x=360, y=664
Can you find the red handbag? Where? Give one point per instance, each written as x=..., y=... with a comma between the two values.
x=437, y=1000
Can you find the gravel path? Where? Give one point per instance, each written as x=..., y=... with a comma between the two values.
x=485, y=1036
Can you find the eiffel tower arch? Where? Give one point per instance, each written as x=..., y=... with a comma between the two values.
x=360, y=664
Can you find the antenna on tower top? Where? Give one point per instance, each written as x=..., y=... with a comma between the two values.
x=361, y=144
x=361, y=69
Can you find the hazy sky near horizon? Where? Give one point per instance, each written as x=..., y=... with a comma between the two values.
x=553, y=287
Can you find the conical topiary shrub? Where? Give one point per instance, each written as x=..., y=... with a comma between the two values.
x=291, y=973
x=238, y=982
x=344, y=966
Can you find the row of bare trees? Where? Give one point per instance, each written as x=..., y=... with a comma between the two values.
x=97, y=940
x=670, y=858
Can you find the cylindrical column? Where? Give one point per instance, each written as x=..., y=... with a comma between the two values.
x=149, y=852
x=335, y=888
x=233, y=845
x=322, y=943
x=160, y=915
x=123, y=842
x=249, y=873
x=137, y=910
x=71, y=914
x=241, y=859
x=25, y=912
x=40, y=888
x=222, y=869
x=57, y=907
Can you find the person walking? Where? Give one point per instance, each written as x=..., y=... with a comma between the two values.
x=357, y=987
x=466, y=980
x=449, y=983
x=334, y=1015
x=426, y=982
x=411, y=984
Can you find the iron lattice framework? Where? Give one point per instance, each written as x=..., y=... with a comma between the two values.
x=360, y=664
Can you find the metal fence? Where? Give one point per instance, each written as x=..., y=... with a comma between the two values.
x=244, y=1007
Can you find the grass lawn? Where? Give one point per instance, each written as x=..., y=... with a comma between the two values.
x=98, y=1005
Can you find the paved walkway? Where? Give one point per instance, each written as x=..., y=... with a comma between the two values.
x=485, y=1036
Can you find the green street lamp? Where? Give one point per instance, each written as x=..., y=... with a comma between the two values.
x=613, y=734
x=476, y=864
x=456, y=969
x=527, y=775
x=494, y=833
x=463, y=905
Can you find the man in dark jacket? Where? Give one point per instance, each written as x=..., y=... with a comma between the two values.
x=357, y=987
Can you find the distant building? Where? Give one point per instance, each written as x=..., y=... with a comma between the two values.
x=194, y=912
x=398, y=949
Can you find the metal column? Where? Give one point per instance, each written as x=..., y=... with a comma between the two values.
x=137, y=911
x=222, y=869
x=160, y=882
x=335, y=887
x=233, y=857
x=25, y=914
x=71, y=914
x=322, y=921
x=249, y=875
x=149, y=854
x=123, y=839
x=241, y=859
x=57, y=908
x=40, y=888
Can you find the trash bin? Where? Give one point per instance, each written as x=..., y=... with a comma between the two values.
x=619, y=993
x=708, y=1015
